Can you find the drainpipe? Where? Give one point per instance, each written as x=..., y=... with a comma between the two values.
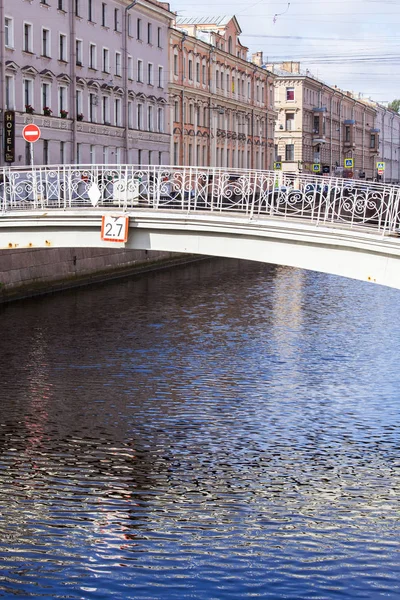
x=363, y=144
x=331, y=128
x=2, y=80
x=391, y=149
x=72, y=90
x=340, y=134
x=181, y=152
x=125, y=80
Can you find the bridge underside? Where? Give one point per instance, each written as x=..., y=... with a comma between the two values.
x=358, y=254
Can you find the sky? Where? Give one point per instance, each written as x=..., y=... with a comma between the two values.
x=353, y=44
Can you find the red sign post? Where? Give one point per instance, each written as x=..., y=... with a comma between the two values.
x=31, y=133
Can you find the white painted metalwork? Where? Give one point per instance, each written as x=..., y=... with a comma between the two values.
x=319, y=200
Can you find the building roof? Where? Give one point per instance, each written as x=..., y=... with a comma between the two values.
x=221, y=20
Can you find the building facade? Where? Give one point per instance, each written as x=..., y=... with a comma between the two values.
x=322, y=125
x=221, y=105
x=388, y=132
x=92, y=75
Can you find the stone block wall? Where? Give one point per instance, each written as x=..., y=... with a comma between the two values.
x=27, y=272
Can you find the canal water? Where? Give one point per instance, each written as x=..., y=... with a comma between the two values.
x=222, y=430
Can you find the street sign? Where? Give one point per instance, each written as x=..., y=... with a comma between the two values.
x=381, y=171
x=316, y=168
x=114, y=229
x=31, y=133
x=380, y=166
x=348, y=163
x=326, y=169
x=277, y=166
x=9, y=136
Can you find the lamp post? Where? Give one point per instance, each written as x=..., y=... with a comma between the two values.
x=125, y=80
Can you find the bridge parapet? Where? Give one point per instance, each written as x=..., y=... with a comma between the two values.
x=256, y=194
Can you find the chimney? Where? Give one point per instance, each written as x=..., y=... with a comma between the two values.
x=291, y=67
x=257, y=58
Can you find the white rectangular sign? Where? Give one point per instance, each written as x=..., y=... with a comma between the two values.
x=114, y=228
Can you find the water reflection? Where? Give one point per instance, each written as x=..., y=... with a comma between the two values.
x=223, y=430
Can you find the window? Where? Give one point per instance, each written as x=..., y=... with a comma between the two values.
x=160, y=120
x=77, y=7
x=116, y=19
x=130, y=114
x=117, y=111
x=45, y=42
x=373, y=140
x=103, y=14
x=140, y=154
x=176, y=151
x=106, y=60
x=45, y=152
x=139, y=116
x=79, y=153
x=90, y=10
x=79, y=52
x=129, y=26
x=149, y=33
x=92, y=56
x=130, y=68
x=290, y=94
x=62, y=98
x=150, y=157
x=160, y=77
x=175, y=64
x=118, y=64
x=8, y=32
x=105, y=155
x=27, y=85
x=105, y=109
x=92, y=154
x=289, y=152
x=140, y=71
x=10, y=92
x=139, y=29
x=190, y=66
x=62, y=47
x=92, y=107
x=62, y=153
x=176, y=111
x=60, y=5
x=150, y=74
x=159, y=37
x=46, y=96
x=28, y=37
x=347, y=133
x=204, y=74
x=198, y=72
x=79, y=102
x=316, y=124
x=150, y=118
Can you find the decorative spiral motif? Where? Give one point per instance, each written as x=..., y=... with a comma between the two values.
x=256, y=194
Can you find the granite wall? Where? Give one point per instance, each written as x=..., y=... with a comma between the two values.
x=27, y=272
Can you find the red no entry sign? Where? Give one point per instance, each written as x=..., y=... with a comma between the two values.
x=31, y=133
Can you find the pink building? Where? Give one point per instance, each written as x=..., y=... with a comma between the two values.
x=222, y=105
x=92, y=75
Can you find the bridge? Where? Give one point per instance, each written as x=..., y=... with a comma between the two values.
x=332, y=225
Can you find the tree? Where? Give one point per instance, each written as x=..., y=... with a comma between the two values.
x=394, y=105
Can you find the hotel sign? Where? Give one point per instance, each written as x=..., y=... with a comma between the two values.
x=9, y=136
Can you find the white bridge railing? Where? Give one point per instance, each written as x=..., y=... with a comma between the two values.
x=256, y=194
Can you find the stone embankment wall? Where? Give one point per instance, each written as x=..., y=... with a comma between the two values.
x=26, y=273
